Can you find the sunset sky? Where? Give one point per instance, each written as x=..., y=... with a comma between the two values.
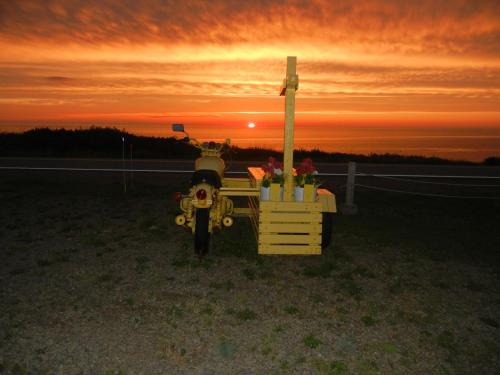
x=216, y=65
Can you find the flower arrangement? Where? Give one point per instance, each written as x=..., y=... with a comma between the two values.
x=306, y=174
x=273, y=173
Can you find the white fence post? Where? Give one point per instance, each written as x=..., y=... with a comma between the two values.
x=349, y=208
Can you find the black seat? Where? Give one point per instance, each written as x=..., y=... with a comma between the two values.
x=207, y=176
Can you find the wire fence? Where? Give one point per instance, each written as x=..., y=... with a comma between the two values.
x=394, y=178
x=424, y=194
x=417, y=186
x=434, y=182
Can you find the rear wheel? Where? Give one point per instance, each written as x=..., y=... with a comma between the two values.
x=201, y=234
x=326, y=233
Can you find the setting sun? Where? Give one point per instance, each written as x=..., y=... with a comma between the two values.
x=368, y=71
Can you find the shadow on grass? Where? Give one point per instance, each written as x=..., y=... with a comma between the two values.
x=437, y=228
x=236, y=241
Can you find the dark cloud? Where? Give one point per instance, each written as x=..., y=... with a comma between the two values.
x=58, y=79
x=252, y=78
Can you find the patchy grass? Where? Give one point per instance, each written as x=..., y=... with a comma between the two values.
x=311, y=341
x=249, y=273
x=338, y=368
x=323, y=269
x=43, y=262
x=246, y=314
x=446, y=340
x=223, y=285
x=408, y=286
x=226, y=349
x=187, y=262
x=291, y=310
x=389, y=347
x=368, y=320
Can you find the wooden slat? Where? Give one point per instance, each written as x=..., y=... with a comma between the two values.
x=291, y=250
x=256, y=175
x=239, y=192
x=327, y=200
x=272, y=206
x=254, y=215
x=233, y=182
x=255, y=228
x=241, y=211
x=266, y=217
x=290, y=239
x=254, y=206
x=285, y=228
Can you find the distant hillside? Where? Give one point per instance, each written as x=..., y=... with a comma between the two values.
x=107, y=143
x=91, y=143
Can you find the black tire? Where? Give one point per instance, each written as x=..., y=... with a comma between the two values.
x=201, y=234
x=326, y=233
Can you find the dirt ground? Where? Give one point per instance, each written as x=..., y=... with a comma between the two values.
x=97, y=281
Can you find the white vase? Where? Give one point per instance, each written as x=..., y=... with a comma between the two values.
x=299, y=194
x=264, y=193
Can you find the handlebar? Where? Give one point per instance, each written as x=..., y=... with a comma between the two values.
x=209, y=146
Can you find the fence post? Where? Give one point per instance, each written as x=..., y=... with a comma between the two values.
x=349, y=208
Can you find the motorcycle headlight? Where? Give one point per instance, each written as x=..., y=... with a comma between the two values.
x=201, y=194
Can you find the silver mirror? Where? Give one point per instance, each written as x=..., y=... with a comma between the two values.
x=178, y=128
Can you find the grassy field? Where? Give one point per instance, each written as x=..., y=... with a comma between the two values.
x=96, y=281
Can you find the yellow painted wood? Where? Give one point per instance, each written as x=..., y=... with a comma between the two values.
x=239, y=192
x=327, y=200
x=255, y=228
x=253, y=205
x=287, y=228
x=309, y=191
x=290, y=239
x=289, y=250
x=241, y=211
x=256, y=175
x=269, y=206
x=276, y=222
x=291, y=85
x=279, y=217
x=236, y=182
x=275, y=194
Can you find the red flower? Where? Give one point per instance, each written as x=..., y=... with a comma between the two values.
x=268, y=169
x=305, y=173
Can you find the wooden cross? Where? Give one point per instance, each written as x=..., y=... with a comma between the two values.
x=288, y=89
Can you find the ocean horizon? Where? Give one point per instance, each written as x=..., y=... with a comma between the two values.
x=471, y=143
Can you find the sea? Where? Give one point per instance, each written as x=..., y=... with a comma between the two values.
x=461, y=142
x=471, y=143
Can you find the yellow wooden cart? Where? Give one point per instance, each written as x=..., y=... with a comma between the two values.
x=284, y=226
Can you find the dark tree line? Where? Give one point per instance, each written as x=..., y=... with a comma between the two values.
x=98, y=142
x=90, y=143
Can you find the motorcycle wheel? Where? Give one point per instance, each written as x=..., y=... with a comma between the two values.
x=201, y=234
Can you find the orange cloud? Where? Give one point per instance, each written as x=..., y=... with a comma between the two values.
x=429, y=27
x=220, y=62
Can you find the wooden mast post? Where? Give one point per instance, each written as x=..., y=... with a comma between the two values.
x=288, y=89
x=286, y=226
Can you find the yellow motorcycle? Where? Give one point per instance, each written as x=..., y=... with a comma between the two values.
x=204, y=210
